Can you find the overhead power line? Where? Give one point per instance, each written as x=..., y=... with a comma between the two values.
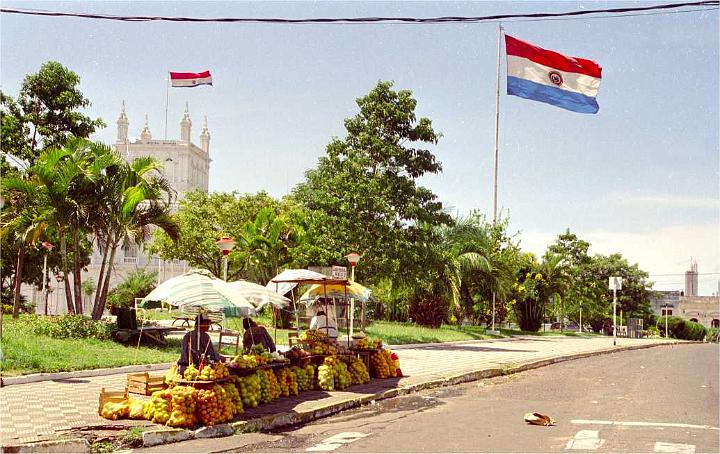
x=357, y=20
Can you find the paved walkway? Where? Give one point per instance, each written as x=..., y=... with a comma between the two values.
x=44, y=410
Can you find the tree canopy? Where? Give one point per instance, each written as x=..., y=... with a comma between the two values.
x=364, y=196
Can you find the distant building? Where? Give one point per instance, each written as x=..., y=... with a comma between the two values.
x=666, y=301
x=691, y=280
x=701, y=309
x=186, y=167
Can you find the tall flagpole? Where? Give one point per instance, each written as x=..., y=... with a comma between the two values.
x=497, y=125
x=167, y=101
x=495, y=167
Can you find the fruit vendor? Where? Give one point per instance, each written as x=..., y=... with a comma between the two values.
x=197, y=346
x=325, y=324
x=256, y=335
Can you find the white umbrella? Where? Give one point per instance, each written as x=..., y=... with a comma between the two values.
x=289, y=279
x=199, y=288
x=259, y=295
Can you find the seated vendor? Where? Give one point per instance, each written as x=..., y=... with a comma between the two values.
x=194, y=351
x=256, y=335
x=324, y=324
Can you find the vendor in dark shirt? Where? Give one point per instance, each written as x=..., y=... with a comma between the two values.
x=193, y=351
x=256, y=335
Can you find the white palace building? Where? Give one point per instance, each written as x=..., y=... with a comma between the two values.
x=186, y=167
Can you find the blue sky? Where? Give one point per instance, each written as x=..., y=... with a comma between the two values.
x=640, y=178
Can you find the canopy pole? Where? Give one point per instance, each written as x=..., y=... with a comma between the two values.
x=327, y=318
x=297, y=313
x=348, y=326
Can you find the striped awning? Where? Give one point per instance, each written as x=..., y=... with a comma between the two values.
x=199, y=288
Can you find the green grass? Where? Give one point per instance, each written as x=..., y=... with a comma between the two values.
x=408, y=333
x=25, y=353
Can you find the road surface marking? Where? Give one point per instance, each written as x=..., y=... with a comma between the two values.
x=674, y=447
x=643, y=423
x=585, y=440
x=337, y=440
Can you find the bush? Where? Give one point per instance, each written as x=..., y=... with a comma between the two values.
x=68, y=326
x=680, y=328
x=428, y=310
x=653, y=331
x=712, y=335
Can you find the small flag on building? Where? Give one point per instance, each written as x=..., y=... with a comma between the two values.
x=546, y=76
x=190, y=79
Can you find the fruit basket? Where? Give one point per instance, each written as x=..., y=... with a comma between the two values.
x=110, y=396
x=145, y=383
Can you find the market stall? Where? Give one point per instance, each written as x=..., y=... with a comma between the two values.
x=217, y=393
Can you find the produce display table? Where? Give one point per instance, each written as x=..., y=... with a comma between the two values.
x=202, y=383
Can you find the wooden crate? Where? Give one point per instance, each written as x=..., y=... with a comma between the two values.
x=110, y=396
x=145, y=383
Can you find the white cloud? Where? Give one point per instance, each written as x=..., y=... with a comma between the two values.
x=665, y=250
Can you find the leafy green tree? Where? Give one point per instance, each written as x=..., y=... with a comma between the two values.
x=46, y=113
x=587, y=284
x=634, y=298
x=580, y=286
x=364, y=196
x=266, y=232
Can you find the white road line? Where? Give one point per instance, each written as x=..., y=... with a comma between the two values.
x=674, y=447
x=643, y=424
x=585, y=440
x=337, y=440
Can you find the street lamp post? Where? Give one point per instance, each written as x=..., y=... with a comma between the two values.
x=59, y=279
x=581, y=316
x=354, y=258
x=615, y=284
x=49, y=290
x=225, y=244
x=48, y=247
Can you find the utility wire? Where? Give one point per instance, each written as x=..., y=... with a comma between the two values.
x=356, y=20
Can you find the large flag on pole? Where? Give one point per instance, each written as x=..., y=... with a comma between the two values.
x=546, y=76
x=190, y=79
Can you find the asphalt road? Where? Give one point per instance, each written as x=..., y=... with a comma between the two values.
x=662, y=399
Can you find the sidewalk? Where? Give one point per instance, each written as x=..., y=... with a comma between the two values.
x=51, y=409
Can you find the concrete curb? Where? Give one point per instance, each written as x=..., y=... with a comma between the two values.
x=32, y=378
x=270, y=422
x=70, y=445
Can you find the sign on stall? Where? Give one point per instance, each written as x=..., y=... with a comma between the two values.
x=339, y=272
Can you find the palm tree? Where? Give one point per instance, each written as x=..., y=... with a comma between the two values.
x=460, y=254
x=134, y=197
x=25, y=227
x=44, y=195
